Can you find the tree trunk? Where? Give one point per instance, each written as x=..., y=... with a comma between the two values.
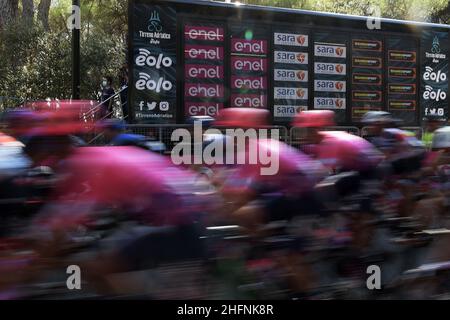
x=27, y=11
x=8, y=12
x=43, y=12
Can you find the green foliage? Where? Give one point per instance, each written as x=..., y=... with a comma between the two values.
x=419, y=10
x=36, y=64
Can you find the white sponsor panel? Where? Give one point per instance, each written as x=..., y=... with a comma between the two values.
x=329, y=86
x=330, y=50
x=291, y=75
x=330, y=68
x=289, y=57
x=290, y=93
x=329, y=103
x=282, y=111
x=290, y=39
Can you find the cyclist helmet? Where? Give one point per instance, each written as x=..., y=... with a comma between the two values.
x=378, y=117
x=441, y=138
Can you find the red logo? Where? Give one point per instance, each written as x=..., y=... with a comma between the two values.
x=301, y=57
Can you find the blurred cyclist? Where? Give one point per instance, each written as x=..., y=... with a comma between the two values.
x=257, y=198
x=432, y=123
x=339, y=151
x=143, y=186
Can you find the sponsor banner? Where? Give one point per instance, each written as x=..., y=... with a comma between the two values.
x=363, y=78
x=402, y=105
x=367, y=45
x=402, y=88
x=153, y=91
x=367, y=95
x=248, y=83
x=402, y=56
x=367, y=62
x=290, y=39
x=330, y=50
x=359, y=112
x=329, y=86
x=290, y=75
x=211, y=109
x=287, y=111
x=281, y=93
x=397, y=72
x=204, y=33
x=249, y=100
x=329, y=103
x=330, y=68
x=202, y=90
x=248, y=64
x=201, y=71
x=434, y=73
x=289, y=57
x=203, y=52
x=256, y=47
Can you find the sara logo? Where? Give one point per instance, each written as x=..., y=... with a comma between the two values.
x=291, y=93
x=301, y=93
x=154, y=23
x=301, y=75
x=333, y=51
x=301, y=39
x=329, y=103
x=291, y=57
x=290, y=75
x=430, y=94
x=330, y=68
x=301, y=57
x=290, y=39
x=146, y=58
x=431, y=75
x=329, y=86
x=146, y=82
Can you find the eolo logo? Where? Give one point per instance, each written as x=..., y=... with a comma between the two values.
x=146, y=82
x=431, y=75
x=430, y=94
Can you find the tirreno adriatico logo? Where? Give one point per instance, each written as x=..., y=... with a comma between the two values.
x=435, y=53
x=155, y=28
x=436, y=47
x=154, y=22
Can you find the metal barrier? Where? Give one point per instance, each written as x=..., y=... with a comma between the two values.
x=164, y=133
x=297, y=135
